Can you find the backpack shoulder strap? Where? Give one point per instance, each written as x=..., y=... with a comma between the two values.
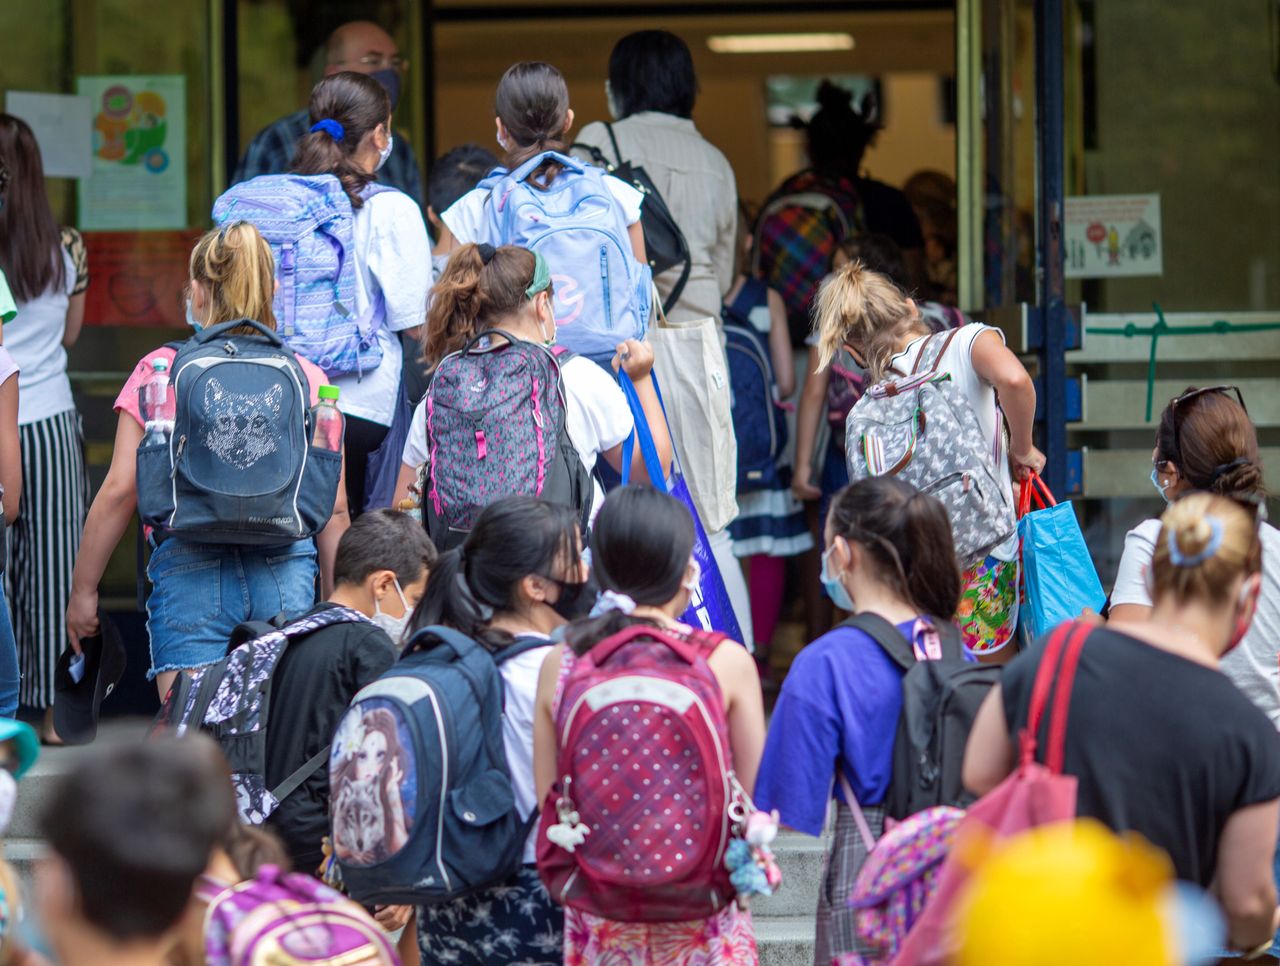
x=613, y=139
x=739, y=309
x=935, y=360
x=300, y=775
x=706, y=641
x=887, y=636
x=522, y=644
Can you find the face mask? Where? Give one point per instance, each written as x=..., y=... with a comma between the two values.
x=394, y=626
x=386, y=152
x=192, y=320
x=695, y=578
x=613, y=104
x=832, y=585
x=389, y=78
x=1155, y=481
x=573, y=602
x=1242, y=623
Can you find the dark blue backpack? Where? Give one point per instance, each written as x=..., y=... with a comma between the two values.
x=239, y=466
x=759, y=421
x=422, y=806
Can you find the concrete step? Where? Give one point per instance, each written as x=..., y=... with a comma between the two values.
x=801, y=859
x=785, y=942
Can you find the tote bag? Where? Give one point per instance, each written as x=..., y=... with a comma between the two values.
x=710, y=607
x=1034, y=795
x=689, y=359
x=1059, y=580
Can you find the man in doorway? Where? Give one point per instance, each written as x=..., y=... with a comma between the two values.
x=360, y=46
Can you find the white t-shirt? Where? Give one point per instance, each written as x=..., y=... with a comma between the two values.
x=394, y=258
x=520, y=690
x=1252, y=667
x=597, y=418
x=467, y=219
x=34, y=339
x=958, y=360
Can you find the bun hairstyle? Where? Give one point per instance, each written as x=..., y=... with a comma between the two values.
x=1206, y=544
x=1214, y=445
x=480, y=286
x=866, y=310
x=838, y=133
x=236, y=270
x=357, y=104
x=907, y=536
x=532, y=101
x=640, y=547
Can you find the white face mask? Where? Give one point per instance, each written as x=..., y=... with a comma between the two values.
x=694, y=580
x=386, y=152
x=394, y=626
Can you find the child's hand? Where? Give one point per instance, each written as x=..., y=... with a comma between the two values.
x=801, y=488
x=633, y=357
x=82, y=617
x=1025, y=464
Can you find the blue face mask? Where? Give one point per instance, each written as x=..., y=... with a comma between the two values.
x=192, y=320
x=832, y=585
x=1155, y=481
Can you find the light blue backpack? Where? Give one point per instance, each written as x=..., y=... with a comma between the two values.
x=307, y=221
x=602, y=294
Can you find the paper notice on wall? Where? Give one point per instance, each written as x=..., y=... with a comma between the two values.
x=61, y=125
x=138, y=178
x=1108, y=236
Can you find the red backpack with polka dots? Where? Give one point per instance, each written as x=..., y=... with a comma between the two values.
x=636, y=825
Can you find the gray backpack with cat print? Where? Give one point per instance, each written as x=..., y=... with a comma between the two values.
x=921, y=429
x=239, y=466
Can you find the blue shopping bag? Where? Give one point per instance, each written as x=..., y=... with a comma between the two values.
x=710, y=607
x=1059, y=580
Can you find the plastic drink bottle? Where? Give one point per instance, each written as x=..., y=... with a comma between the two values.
x=327, y=421
x=156, y=404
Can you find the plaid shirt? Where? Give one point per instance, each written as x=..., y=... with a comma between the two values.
x=271, y=150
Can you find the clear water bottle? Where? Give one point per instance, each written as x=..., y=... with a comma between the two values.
x=327, y=420
x=156, y=404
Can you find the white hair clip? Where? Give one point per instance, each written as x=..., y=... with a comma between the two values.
x=609, y=600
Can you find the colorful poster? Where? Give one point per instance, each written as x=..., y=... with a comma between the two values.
x=139, y=171
x=1109, y=236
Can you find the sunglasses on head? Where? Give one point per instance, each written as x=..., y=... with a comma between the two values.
x=1179, y=401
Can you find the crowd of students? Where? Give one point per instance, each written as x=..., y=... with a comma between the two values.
x=476, y=401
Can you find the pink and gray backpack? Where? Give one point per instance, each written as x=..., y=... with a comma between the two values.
x=644, y=779
x=496, y=428
x=279, y=917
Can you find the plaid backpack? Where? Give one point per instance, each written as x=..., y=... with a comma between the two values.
x=637, y=822
x=278, y=917
x=307, y=220
x=922, y=429
x=496, y=428
x=797, y=233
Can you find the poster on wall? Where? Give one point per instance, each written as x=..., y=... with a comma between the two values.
x=1111, y=236
x=138, y=179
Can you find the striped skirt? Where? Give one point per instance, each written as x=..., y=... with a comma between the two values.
x=42, y=547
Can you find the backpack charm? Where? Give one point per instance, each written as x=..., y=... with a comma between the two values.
x=752, y=868
x=569, y=832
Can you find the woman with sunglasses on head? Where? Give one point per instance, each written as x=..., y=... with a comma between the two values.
x=1205, y=442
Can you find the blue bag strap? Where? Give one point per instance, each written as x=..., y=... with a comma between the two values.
x=642, y=432
x=529, y=167
x=455, y=641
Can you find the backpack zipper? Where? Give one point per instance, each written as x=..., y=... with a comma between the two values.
x=604, y=284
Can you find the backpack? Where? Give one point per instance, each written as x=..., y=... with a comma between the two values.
x=231, y=700
x=278, y=917
x=664, y=243
x=602, y=294
x=922, y=429
x=496, y=428
x=797, y=232
x=239, y=467
x=307, y=220
x=436, y=818
x=644, y=765
x=759, y=421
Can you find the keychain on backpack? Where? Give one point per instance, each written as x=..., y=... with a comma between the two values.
x=752, y=868
x=569, y=832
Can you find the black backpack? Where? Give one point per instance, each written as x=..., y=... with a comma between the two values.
x=664, y=243
x=940, y=699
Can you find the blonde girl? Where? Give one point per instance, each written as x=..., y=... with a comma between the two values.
x=866, y=313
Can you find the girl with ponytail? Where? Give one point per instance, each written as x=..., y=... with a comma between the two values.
x=889, y=553
x=1206, y=443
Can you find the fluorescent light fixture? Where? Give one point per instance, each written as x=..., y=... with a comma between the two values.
x=779, y=43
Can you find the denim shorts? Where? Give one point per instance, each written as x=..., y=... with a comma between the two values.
x=201, y=591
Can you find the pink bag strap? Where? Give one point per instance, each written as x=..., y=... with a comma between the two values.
x=859, y=818
x=1063, y=648
x=567, y=659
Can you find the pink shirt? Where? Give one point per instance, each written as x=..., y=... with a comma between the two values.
x=127, y=401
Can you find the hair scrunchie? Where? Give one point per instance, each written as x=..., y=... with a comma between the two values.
x=485, y=251
x=1222, y=469
x=1180, y=559
x=330, y=127
x=611, y=600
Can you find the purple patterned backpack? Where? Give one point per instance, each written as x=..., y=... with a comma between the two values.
x=496, y=428
x=276, y=918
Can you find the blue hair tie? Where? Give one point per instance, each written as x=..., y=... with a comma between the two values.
x=330, y=127
x=1180, y=559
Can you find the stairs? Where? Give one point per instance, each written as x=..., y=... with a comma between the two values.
x=784, y=922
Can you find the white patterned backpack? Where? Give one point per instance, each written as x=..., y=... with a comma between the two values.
x=921, y=429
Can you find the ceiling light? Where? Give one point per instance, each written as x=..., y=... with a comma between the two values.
x=779, y=43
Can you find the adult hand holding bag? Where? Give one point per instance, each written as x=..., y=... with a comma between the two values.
x=690, y=364
x=710, y=608
x=1059, y=580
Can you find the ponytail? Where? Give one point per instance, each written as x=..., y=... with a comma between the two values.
x=532, y=101
x=344, y=108
x=866, y=311
x=474, y=294
x=236, y=270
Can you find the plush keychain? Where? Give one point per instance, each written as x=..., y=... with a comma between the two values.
x=569, y=832
x=752, y=867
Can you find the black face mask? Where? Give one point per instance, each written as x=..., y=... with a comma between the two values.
x=575, y=600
